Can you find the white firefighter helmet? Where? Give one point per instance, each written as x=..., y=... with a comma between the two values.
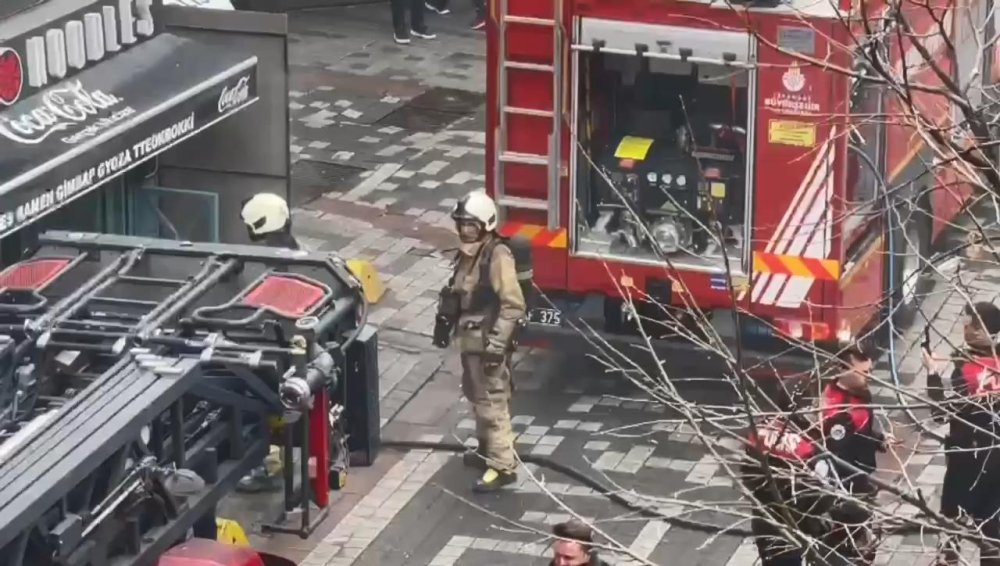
x=265, y=213
x=476, y=206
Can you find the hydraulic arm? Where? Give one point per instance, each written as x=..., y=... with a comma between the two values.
x=141, y=379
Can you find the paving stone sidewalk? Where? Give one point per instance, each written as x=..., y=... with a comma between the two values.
x=386, y=138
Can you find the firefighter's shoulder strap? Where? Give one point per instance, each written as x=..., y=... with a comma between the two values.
x=523, y=264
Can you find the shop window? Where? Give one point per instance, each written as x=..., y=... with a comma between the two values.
x=176, y=214
x=661, y=160
x=83, y=214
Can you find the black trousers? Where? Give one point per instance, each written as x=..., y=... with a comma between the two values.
x=416, y=8
x=772, y=548
x=971, y=488
x=479, y=5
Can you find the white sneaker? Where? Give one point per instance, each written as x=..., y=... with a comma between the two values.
x=433, y=8
x=423, y=34
x=401, y=39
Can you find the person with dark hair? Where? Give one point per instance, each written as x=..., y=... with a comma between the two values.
x=972, y=458
x=417, y=27
x=854, y=439
x=441, y=7
x=574, y=545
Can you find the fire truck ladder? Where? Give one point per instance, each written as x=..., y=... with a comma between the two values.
x=552, y=161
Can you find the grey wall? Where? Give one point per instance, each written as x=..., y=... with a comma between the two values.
x=248, y=152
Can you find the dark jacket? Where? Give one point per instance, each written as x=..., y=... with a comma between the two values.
x=851, y=435
x=281, y=239
x=796, y=462
x=972, y=458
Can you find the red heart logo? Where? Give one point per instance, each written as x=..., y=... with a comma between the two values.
x=11, y=79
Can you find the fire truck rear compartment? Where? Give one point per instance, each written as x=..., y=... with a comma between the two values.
x=662, y=160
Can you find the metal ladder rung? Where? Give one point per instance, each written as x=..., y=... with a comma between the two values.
x=527, y=20
x=523, y=158
x=527, y=111
x=524, y=203
x=551, y=160
x=528, y=66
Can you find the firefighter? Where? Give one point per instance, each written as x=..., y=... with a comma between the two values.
x=489, y=310
x=972, y=473
x=853, y=439
x=797, y=494
x=269, y=221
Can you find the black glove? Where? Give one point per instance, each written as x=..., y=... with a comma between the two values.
x=935, y=392
x=935, y=388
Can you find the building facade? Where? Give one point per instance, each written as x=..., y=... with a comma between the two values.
x=131, y=117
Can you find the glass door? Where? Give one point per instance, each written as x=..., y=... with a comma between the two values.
x=175, y=214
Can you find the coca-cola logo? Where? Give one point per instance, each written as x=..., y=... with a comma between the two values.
x=61, y=108
x=11, y=80
x=234, y=96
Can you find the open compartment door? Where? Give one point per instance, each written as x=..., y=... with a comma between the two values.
x=663, y=170
x=247, y=153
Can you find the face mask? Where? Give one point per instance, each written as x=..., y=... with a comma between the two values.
x=468, y=232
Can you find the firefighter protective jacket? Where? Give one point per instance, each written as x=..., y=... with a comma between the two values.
x=851, y=435
x=491, y=311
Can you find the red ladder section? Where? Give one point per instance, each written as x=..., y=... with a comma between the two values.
x=527, y=166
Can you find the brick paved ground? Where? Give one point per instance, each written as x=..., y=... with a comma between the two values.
x=386, y=138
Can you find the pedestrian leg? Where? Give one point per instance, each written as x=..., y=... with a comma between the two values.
x=772, y=548
x=480, y=7
x=401, y=32
x=418, y=24
x=439, y=6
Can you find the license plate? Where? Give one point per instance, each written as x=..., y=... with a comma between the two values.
x=547, y=317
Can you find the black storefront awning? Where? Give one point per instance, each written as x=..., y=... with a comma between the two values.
x=76, y=135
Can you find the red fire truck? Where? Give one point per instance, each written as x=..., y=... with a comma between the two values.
x=706, y=154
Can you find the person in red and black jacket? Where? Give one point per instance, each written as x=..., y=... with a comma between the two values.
x=787, y=473
x=854, y=439
x=849, y=425
x=972, y=447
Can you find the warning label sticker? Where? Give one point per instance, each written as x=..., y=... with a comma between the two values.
x=791, y=132
x=632, y=147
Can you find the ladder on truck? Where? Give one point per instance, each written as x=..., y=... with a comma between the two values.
x=552, y=161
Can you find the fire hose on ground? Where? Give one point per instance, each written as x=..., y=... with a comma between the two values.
x=612, y=494
x=678, y=522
